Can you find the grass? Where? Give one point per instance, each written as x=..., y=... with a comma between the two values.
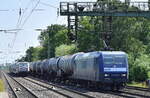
x=1, y=85
x=149, y=74
x=136, y=84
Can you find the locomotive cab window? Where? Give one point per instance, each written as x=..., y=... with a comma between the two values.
x=120, y=61
x=109, y=61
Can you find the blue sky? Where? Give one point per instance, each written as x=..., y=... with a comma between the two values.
x=28, y=36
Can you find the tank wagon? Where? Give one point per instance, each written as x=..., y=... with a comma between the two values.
x=101, y=68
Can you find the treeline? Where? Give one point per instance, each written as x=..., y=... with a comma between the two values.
x=130, y=34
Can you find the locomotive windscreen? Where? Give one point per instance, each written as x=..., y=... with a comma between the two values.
x=115, y=62
x=23, y=64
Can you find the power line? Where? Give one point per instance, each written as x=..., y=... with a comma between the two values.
x=49, y=5
x=46, y=4
x=19, y=20
x=19, y=13
x=23, y=9
x=3, y=10
x=25, y=21
x=22, y=12
x=30, y=13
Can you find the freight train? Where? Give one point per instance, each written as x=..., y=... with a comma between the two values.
x=100, y=68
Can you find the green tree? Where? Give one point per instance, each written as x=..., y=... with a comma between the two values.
x=29, y=54
x=140, y=73
x=139, y=68
x=52, y=37
x=89, y=38
x=65, y=50
x=32, y=54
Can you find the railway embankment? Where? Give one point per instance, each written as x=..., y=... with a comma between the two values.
x=139, y=84
x=1, y=83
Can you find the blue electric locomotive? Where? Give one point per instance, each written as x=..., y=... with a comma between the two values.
x=102, y=68
x=115, y=68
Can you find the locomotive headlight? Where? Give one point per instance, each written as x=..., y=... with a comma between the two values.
x=123, y=75
x=106, y=75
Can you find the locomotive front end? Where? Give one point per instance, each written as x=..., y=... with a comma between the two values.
x=115, y=66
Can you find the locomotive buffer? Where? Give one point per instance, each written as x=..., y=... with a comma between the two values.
x=106, y=9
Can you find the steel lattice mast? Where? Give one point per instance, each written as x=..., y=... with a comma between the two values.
x=106, y=9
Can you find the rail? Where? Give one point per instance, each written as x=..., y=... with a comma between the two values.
x=75, y=93
x=19, y=90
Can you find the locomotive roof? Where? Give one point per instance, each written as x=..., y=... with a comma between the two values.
x=113, y=52
x=97, y=53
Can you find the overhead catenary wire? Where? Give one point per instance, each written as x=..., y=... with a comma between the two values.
x=25, y=22
x=49, y=5
x=46, y=4
x=30, y=14
x=9, y=47
x=3, y=10
x=18, y=21
x=34, y=9
x=23, y=12
x=20, y=12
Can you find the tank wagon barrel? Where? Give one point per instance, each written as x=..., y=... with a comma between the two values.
x=65, y=65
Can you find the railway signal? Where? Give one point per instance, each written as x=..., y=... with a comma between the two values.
x=106, y=9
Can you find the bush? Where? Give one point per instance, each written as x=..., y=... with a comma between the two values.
x=148, y=74
x=138, y=68
x=140, y=73
x=65, y=50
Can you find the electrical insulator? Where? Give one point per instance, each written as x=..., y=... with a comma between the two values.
x=108, y=37
x=20, y=12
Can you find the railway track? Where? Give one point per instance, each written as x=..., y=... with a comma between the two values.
x=138, y=88
x=130, y=92
x=69, y=93
x=19, y=90
x=44, y=89
x=136, y=92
